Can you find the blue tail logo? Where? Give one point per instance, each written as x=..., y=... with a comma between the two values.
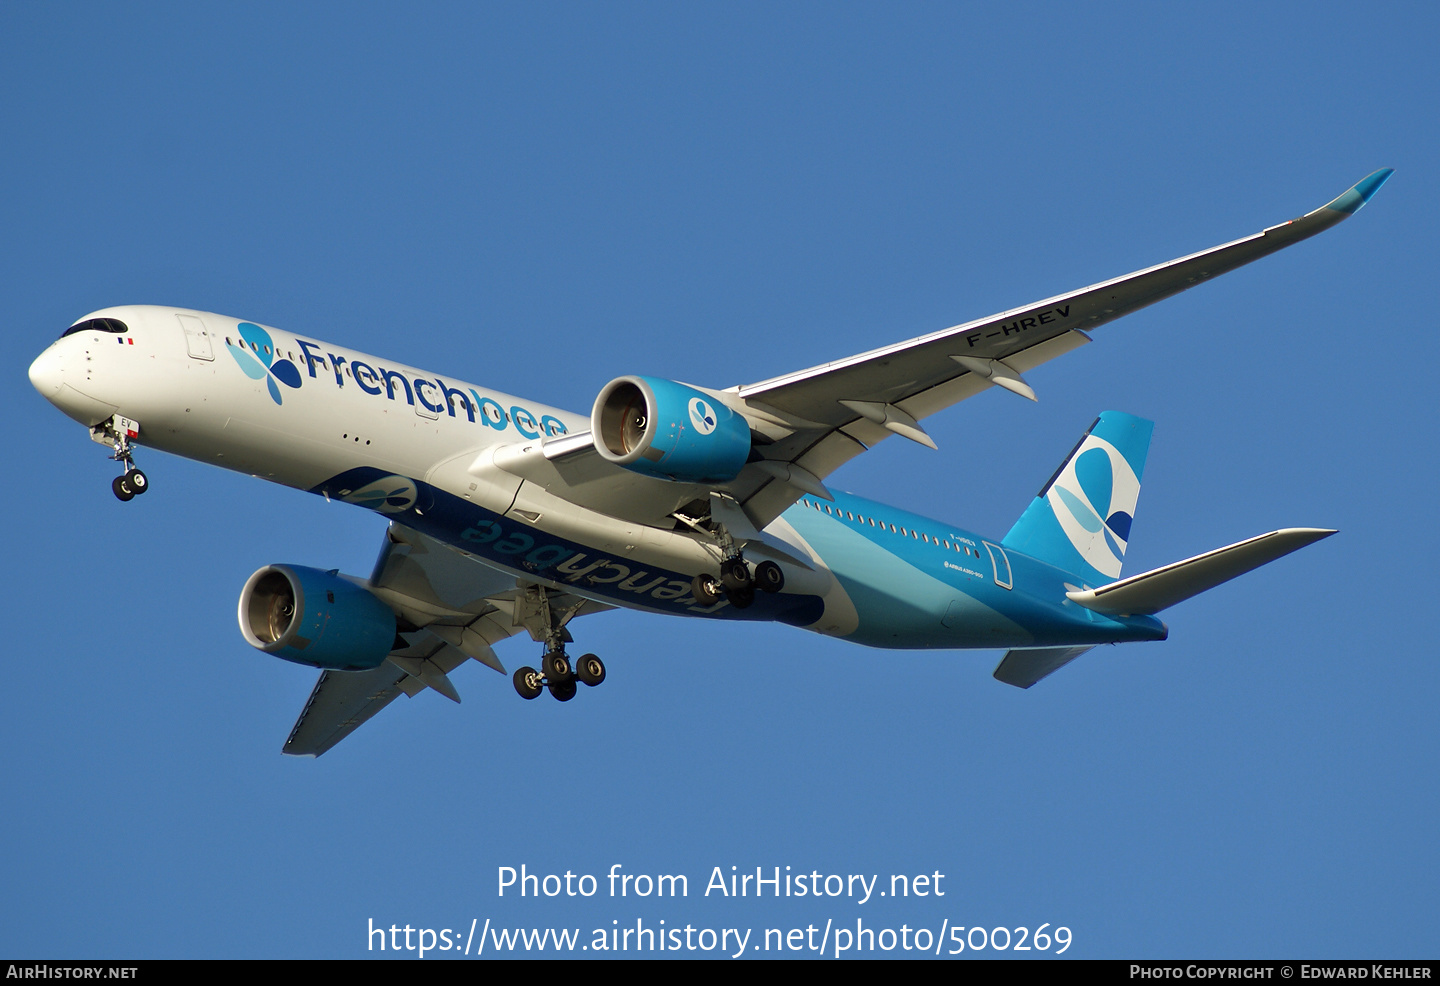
x=1094, y=500
x=1081, y=520
x=262, y=360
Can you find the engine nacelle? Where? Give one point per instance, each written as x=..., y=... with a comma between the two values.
x=311, y=617
x=668, y=430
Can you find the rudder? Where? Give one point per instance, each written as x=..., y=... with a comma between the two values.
x=1080, y=520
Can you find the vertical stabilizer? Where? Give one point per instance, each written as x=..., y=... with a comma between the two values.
x=1080, y=520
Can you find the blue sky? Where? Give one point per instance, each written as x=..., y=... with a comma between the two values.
x=543, y=197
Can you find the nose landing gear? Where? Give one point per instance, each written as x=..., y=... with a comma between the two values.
x=117, y=433
x=130, y=485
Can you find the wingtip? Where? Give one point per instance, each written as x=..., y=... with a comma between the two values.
x=1357, y=196
x=1308, y=535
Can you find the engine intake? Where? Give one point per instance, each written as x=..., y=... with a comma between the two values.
x=312, y=617
x=667, y=430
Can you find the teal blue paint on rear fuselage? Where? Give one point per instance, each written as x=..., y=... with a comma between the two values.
x=920, y=583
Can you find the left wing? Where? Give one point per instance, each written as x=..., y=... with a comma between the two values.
x=451, y=607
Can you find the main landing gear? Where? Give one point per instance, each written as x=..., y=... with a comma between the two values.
x=559, y=677
x=536, y=612
x=736, y=582
x=117, y=433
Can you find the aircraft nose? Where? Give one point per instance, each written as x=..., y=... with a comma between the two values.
x=47, y=373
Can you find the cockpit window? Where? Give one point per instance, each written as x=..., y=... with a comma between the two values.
x=98, y=325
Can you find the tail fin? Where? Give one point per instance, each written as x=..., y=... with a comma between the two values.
x=1080, y=520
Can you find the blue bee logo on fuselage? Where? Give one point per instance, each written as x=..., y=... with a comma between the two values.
x=259, y=358
x=388, y=495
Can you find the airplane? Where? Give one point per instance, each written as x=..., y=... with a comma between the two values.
x=506, y=516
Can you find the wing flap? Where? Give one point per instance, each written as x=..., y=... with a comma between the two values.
x=341, y=701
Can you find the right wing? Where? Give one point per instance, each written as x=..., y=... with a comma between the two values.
x=452, y=608
x=820, y=418
x=808, y=423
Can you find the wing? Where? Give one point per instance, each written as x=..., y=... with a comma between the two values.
x=450, y=607
x=807, y=424
x=820, y=418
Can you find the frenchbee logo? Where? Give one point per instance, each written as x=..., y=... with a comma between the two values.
x=259, y=358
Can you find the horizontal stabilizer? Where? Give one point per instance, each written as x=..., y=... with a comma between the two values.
x=1022, y=668
x=1150, y=592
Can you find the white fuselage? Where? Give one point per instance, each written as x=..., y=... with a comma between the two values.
x=469, y=467
x=177, y=373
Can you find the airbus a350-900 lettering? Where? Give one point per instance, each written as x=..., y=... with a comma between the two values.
x=508, y=516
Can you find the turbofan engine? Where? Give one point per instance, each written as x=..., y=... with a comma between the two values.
x=315, y=618
x=668, y=430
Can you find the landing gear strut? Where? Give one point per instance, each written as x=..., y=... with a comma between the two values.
x=536, y=612
x=736, y=584
x=117, y=433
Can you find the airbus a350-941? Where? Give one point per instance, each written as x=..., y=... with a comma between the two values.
x=507, y=516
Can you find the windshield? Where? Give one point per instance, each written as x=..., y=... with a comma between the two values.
x=99, y=325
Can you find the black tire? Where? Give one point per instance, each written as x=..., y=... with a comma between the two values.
x=741, y=598
x=556, y=667
x=707, y=589
x=563, y=691
x=769, y=577
x=137, y=481
x=121, y=489
x=735, y=574
x=527, y=683
x=590, y=669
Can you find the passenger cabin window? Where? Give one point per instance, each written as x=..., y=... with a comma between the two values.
x=97, y=325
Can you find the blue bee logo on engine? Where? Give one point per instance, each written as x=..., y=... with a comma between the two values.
x=702, y=416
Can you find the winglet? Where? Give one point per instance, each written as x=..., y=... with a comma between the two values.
x=1356, y=197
